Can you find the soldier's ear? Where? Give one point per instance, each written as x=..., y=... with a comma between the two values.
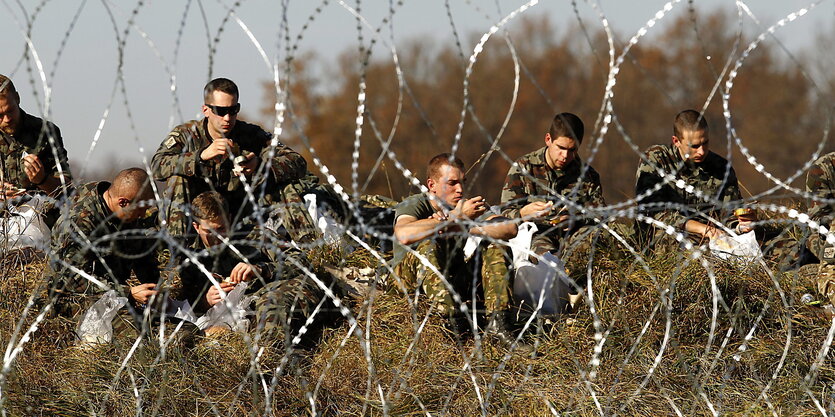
x=195, y=226
x=547, y=139
x=430, y=183
x=676, y=140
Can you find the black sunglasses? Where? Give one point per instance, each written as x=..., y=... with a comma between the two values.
x=223, y=111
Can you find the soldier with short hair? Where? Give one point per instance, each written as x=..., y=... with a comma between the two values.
x=221, y=153
x=32, y=154
x=434, y=226
x=106, y=236
x=710, y=177
x=285, y=297
x=552, y=187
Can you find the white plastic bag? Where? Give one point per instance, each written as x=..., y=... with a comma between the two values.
x=230, y=313
x=97, y=324
x=180, y=309
x=328, y=227
x=742, y=247
x=24, y=226
x=521, y=244
x=541, y=287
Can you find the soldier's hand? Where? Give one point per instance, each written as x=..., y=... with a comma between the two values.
x=34, y=168
x=713, y=233
x=243, y=272
x=10, y=190
x=251, y=164
x=142, y=292
x=213, y=294
x=219, y=150
x=469, y=208
x=536, y=209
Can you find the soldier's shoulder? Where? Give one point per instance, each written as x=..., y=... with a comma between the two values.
x=536, y=157
x=592, y=174
x=717, y=163
x=251, y=129
x=826, y=161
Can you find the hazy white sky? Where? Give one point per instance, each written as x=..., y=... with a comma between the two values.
x=82, y=75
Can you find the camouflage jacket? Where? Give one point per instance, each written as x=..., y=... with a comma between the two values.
x=32, y=137
x=91, y=239
x=530, y=179
x=179, y=154
x=219, y=260
x=707, y=178
x=820, y=183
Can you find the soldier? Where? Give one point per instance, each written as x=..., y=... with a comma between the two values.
x=285, y=297
x=32, y=161
x=701, y=194
x=820, y=184
x=32, y=154
x=689, y=160
x=100, y=241
x=434, y=226
x=551, y=186
x=222, y=153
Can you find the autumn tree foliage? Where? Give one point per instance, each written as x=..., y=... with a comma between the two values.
x=526, y=75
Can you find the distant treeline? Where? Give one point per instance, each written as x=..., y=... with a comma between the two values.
x=778, y=112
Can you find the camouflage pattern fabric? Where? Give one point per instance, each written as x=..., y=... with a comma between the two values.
x=820, y=183
x=284, y=305
x=825, y=281
x=91, y=239
x=714, y=178
x=490, y=264
x=177, y=161
x=33, y=137
x=530, y=179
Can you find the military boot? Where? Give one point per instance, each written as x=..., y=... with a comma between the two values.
x=501, y=328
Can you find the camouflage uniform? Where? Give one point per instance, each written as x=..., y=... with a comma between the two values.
x=178, y=162
x=714, y=179
x=820, y=183
x=530, y=179
x=33, y=137
x=490, y=263
x=91, y=239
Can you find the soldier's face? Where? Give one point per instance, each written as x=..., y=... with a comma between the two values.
x=210, y=232
x=129, y=211
x=9, y=112
x=220, y=126
x=560, y=152
x=449, y=186
x=692, y=145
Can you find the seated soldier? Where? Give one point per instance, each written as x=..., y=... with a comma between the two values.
x=32, y=159
x=104, y=237
x=434, y=226
x=551, y=186
x=285, y=297
x=221, y=153
x=703, y=187
x=229, y=262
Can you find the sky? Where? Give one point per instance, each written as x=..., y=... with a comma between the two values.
x=116, y=81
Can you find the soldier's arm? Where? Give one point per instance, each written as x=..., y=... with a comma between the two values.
x=173, y=157
x=514, y=196
x=647, y=179
x=496, y=227
x=286, y=165
x=74, y=259
x=55, y=157
x=408, y=229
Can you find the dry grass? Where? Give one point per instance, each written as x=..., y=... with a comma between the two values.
x=408, y=367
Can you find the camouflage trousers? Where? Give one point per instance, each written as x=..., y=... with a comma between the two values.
x=489, y=263
x=291, y=308
x=286, y=206
x=574, y=249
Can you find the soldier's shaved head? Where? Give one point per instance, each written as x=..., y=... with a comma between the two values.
x=132, y=183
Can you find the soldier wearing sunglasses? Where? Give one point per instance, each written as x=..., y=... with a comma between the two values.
x=221, y=153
